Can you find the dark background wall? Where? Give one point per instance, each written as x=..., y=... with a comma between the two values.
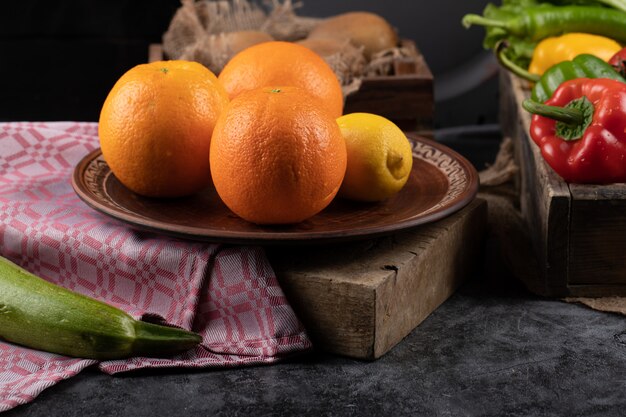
x=59, y=58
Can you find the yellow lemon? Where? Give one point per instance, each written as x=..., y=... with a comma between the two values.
x=379, y=157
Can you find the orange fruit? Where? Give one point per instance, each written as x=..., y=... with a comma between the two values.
x=286, y=64
x=156, y=124
x=277, y=156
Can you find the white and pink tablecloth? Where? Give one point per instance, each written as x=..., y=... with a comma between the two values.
x=228, y=294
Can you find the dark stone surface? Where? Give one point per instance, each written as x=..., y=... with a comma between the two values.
x=490, y=350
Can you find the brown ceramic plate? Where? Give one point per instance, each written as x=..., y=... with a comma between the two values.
x=441, y=183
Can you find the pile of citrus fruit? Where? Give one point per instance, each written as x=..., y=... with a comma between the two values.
x=268, y=134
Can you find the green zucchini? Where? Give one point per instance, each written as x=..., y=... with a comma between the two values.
x=44, y=316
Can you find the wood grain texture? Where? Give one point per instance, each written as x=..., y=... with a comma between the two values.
x=406, y=98
x=598, y=235
x=544, y=198
x=408, y=102
x=155, y=52
x=578, y=231
x=596, y=290
x=361, y=299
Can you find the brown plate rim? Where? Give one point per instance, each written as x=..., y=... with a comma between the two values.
x=278, y=237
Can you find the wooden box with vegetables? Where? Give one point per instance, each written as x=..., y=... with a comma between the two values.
x=378, y=71
x=563, y=101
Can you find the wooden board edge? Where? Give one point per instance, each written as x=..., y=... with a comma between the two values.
x=598, y=192
x=544, y=197
x=320, y=315
x=155, y=52
x=395, y=298
x=593, y=291
x=411, y=66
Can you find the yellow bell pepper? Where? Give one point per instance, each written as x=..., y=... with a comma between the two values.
x=551, y=51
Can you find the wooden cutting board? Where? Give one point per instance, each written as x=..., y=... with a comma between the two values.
x=360, y=299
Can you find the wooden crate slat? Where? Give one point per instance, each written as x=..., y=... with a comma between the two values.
x=597, y=257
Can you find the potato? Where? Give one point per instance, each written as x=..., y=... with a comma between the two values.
x=238, y=41
x=214, y=51
x=323, y=47
x=362, y=28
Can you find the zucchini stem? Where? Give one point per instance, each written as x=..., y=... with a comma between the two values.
x=153, y=339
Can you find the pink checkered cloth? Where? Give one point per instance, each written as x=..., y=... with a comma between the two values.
x=227, y=294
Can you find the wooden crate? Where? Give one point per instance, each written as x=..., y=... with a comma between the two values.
x=578, y=231
x=360, y=299
x=406, y=97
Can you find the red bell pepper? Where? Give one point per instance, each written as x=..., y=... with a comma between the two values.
x=618, y=61
x=581, y=130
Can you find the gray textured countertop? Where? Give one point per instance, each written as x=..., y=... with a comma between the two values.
x=490, y=350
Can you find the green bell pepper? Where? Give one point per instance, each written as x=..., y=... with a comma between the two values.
x=583, y=66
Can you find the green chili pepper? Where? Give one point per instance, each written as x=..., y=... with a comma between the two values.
x=582, y=66
x=501, y=13
x=616, y=4
x=536, y=23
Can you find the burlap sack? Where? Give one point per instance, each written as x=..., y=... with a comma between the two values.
x=201, y=31
x=284, y=25
x=215, y=50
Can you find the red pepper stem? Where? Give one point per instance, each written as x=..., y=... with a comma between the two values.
x=504, y=60
x=569, y=116
x=572, y=120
